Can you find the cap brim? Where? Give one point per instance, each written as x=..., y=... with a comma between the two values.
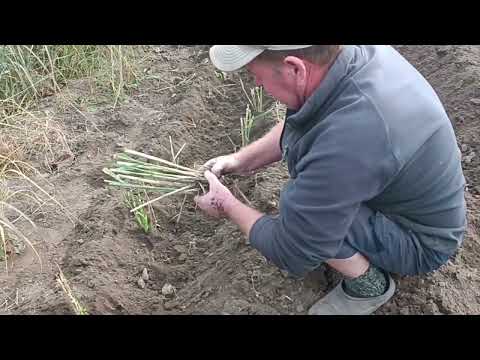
x=232, y=57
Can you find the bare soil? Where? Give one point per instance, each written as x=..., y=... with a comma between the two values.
x=103, y=252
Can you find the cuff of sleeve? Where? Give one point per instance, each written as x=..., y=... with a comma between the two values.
x=257, y=233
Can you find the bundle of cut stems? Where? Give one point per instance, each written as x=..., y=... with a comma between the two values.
x=137, y=171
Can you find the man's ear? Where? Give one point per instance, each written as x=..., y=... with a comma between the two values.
x=296, y=67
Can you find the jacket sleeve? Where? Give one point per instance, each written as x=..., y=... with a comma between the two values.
x=342, y=169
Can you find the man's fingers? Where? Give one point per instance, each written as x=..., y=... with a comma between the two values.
x=217, y=169
x=211, y=177
x=215, y=166
x=210, y=163
x=199, y=200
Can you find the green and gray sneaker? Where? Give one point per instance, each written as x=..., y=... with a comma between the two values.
x=338, y=302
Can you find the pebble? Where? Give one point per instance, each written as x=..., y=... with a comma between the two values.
x=183, y=257
x=404, y=311
x=145, y=276
x=431, y=308
x=168, y=289
x=464, y=147
x=141, y=283
x=80, y=241
x=443, y=50
x=84, y=262
x=475, y=101
x=180, y=248
x=300, y=309
x=468, y=159
x=170, y=305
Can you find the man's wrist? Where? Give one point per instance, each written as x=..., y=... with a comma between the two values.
x=240, y=161
x=242, y=215
x=230, y=204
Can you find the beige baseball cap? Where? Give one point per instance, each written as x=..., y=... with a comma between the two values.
x=233, y=57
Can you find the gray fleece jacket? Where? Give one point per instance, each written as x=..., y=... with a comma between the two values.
x=373, y=133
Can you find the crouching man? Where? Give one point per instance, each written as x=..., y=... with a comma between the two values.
x=376, y=183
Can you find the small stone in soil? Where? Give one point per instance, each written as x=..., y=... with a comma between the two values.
x=170, y=305
x=431, y=308
x=180, y=248
x=145, y=276
x=168, y=289
x=441, y=52
x=300, y=308
x=182, y=257
x=141, y=283
x=404, y=311
x=468, y=159
x=475, y=101
x=84, y=262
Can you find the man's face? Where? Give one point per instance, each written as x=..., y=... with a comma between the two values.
x=277, y=80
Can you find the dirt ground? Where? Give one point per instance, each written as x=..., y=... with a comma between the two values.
x=213, y=271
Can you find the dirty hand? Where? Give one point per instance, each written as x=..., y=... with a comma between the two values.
x=226, y=164
x=217, y=199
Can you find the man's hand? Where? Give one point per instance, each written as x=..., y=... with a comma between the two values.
x=219, y=202
x=218, y=198
x=226, y=164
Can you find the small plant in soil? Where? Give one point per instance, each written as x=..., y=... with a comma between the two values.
x=255, y=98
x=246, y=124
x=254, y=111
x=221, y=75
x=133, y=200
